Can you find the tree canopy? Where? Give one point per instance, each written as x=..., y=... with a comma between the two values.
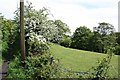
x=81, y=37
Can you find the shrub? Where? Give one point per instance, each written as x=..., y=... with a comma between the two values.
x=39, y=62
x=41, y=66
x=100, y=72
x=36, y=67
x=15, y=70
x=117, y=50
x=8, y=35
x=66, y=42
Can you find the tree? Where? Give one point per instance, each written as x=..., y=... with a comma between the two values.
x=104, y=28
x=104, y=37
x=37, y=21
x=64, y=30
x=118, y=37
x=96, y=42
x=117, y=47
x=62, y=26
x=66, y=42
x=109, y=41
x=81, y=37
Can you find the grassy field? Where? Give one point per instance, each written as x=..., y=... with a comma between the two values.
x=79, y=60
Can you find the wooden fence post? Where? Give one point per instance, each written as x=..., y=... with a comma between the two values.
x=22, y=31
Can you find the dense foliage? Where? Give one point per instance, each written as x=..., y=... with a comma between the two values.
x=9, y=37
x=81, y=38
x=66, y=42
x=117, y=47
x=104, y=28
x=37, y=21
x=36, y=67
x=100, y=40
x=40, y=32
x=101, y=70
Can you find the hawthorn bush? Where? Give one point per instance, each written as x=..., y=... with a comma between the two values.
x=39, y=62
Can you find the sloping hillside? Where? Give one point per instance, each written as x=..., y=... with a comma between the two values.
x=79, y=60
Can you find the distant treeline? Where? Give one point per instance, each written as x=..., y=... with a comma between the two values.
x=100, y=39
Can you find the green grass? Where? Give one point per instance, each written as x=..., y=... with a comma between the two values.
x=79, y=60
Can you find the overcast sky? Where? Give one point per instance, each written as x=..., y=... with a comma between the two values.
x=74, y=13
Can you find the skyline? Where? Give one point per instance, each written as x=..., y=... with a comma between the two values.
x=74, y=13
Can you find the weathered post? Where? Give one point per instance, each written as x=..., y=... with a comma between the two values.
x=22, y=31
